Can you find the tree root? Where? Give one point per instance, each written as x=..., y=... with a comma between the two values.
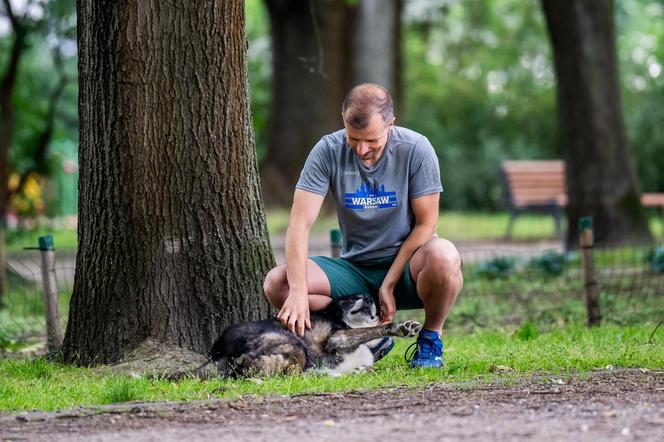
x=154, y=359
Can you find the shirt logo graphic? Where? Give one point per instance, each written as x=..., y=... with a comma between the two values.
x=367, y=197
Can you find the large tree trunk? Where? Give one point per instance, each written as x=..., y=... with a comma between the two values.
x=311, y=73
x=600, y=174
x=172, y=238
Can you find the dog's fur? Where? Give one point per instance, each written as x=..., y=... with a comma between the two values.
x=335, y=344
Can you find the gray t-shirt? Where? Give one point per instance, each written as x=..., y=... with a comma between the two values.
x=373, y=203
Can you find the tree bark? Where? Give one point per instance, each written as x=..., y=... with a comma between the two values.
x=311, y=73
x=173, y=243
x=601, y=180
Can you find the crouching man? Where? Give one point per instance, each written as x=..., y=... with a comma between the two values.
x=385, y=182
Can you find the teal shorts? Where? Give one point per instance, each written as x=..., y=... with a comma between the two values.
x=351, y=278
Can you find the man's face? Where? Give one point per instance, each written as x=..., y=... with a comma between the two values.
x=369, y=143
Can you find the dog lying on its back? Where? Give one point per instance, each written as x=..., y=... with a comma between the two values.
x=335, y=344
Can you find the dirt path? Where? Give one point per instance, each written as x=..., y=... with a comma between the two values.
x=613, y=405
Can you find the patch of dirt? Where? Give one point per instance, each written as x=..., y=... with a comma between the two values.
x=609, y=405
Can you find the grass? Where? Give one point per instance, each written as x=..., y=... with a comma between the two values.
x=24, y=316
x=17, y=240
x=462, y=225
x=28, y=385
x=506, y=323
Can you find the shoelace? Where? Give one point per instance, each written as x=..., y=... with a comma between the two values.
x=416, y=348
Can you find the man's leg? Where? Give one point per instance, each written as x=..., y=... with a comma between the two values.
x=436, y=270
x=276, y=287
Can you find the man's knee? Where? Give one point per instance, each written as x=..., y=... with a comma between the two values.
x=275, y=285
x=440, y=258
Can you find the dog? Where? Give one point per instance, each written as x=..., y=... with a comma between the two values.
x=337, y=343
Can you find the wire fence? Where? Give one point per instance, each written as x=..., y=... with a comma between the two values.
x=548, y=286
x=504, y=285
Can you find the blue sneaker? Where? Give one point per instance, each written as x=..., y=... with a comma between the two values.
x=383, y=347
x=427, y=351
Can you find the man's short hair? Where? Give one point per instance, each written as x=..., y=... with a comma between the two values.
x=363, y=101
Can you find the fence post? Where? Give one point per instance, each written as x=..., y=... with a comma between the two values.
x=335, y=243
x=592, y=297
x=53, y=330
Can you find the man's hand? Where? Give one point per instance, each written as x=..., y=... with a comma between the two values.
x=294, y=314
x=388, y=305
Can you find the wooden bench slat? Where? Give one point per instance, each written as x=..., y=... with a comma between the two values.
x=652, y=200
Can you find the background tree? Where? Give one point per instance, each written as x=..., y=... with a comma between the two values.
x=172, y=237
x=600, y=173
x=311, y=72
x=377, y=44
x=320, y=49
x=38, y=31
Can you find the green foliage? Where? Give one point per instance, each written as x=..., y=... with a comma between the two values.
x=548, y=264
x=259, y=56
x=640, y=28
x=54, y=32
x=19, y=239
x=496, y=268
x=6, y=340
x=480, y=85
x=656, y=259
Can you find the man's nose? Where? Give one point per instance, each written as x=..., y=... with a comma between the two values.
x=362, y=148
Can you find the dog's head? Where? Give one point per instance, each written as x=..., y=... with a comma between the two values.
x=357, y=310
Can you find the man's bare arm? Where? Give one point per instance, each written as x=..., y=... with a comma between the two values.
x=425, y=209
x=294, y=314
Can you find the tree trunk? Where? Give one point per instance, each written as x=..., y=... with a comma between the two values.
x=311, y=74
x=601, y=181
x=173, y=243
x=377, y=42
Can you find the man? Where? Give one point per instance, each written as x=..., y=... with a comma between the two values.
x=385, y=183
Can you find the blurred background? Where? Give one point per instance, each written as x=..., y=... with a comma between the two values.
x=476, y=77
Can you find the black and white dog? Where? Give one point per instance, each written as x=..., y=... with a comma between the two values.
x=337, y=342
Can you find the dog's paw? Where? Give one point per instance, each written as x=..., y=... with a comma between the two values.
x=408, y=328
